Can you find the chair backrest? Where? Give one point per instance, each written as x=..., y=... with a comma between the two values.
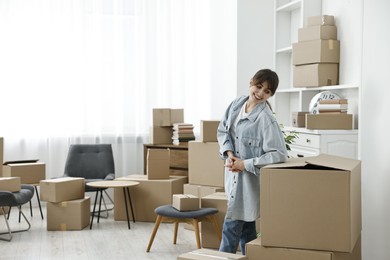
x=90, y=161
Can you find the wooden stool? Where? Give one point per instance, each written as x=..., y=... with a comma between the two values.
x=169, y=213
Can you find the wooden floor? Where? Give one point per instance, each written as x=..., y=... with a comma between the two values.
x=107, y=240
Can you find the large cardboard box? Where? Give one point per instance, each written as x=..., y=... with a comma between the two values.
x=62, y=189
x=157, y=164
x=316, y=75
x=68, y=215
x=167, y=116
x=147, y=196
x=1, y=155
x=316, y=32
x=29, y=173
x=316, y=51
x=255, y=250
x=320, y=20
x=311, y=203
x=185, y=202
x=329, y=121
x=208, y=254
x=11, y=184
x=205, y=167
x=208, y=130
x=161, y=135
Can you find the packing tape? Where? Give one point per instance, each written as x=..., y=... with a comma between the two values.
x=330, y=44
x=63, y=227
x=64, y=204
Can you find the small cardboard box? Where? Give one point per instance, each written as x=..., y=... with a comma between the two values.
x=255, y=250
x=147, y=196
x=68, y=215
x=316, y=51
x=205, y=167
x=167, y=116
x=29, y=173
x=208, y=254
x=185, y=202
x=320, y=20
x=316, y=32
x=11, y=184
x=157, y=164
x=311, y=203
x=62, y=189
x=316, y=75
x=329, y=121
x=299, y=119
x=161, y=135
x=208, y=130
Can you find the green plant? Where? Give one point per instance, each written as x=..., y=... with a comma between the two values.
x=289, y=138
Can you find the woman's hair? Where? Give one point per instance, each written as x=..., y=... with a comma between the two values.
x=266, y=75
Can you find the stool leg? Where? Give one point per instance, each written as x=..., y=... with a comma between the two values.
x=158, y=221
x=175, y=234
x=196, y=227
x=216, y=227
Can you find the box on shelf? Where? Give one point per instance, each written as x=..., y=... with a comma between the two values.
x=323, y=32
x=157, y=164
x=62, y=189
x=255, y=250
x=204, y=164
x=320, y=20
x=205, y=254
x=167, y=116
x=160, y=135
x=299, y=119
x=311, y=203
x=11, y=184
x=29, y=173
x=316, y=51
x=68, y=215
x=316, y=75
x=208, y=130
x=147, y=196
x=329, y=121
x=185, y=202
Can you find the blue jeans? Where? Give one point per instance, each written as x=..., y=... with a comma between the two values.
x=236, y=232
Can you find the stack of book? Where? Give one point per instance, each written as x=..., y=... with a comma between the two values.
x=182, y=132
x=334, y=106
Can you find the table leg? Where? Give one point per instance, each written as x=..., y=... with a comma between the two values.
x=39, y=201
x=100, y=203
x=94, y=207
x=131, y=204
x=127, y=211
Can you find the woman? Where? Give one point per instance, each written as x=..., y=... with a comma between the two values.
x=249, y=137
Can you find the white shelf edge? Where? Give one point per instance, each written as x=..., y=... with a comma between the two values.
x=284, y=50
x=289, y=6
x=292, y=90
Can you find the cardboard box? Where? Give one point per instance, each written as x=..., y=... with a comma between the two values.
x=68, y=215
x=208, y=130
x=316, y=51
x=157, y=164
x=311, y=203
x=147, y=196
x=316, y=32
x=320, y=20
x=161, y=135
x=205, y=254
x=29, y=173
x=11, y=184
x=205, y=167
x=185, y=202
x=299, y=119
x=1, y=155
x=316, y=75
x=62, y=189
x=255, y=250
x=329, y=121
x=167, y=116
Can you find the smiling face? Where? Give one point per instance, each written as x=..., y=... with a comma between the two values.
x=259, y=93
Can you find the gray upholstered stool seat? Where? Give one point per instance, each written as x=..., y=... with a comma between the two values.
x=170, y=214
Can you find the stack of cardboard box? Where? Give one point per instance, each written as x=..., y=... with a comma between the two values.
x=310, y=209
x=163, y=119
x=317, y=54
x=67, y=208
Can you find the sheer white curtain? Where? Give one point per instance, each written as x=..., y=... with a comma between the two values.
x=90, y=71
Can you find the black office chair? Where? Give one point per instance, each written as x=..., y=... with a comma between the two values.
x=93, y=162
x=11, y=199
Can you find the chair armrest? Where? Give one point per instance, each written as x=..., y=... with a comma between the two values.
x=110, y=177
